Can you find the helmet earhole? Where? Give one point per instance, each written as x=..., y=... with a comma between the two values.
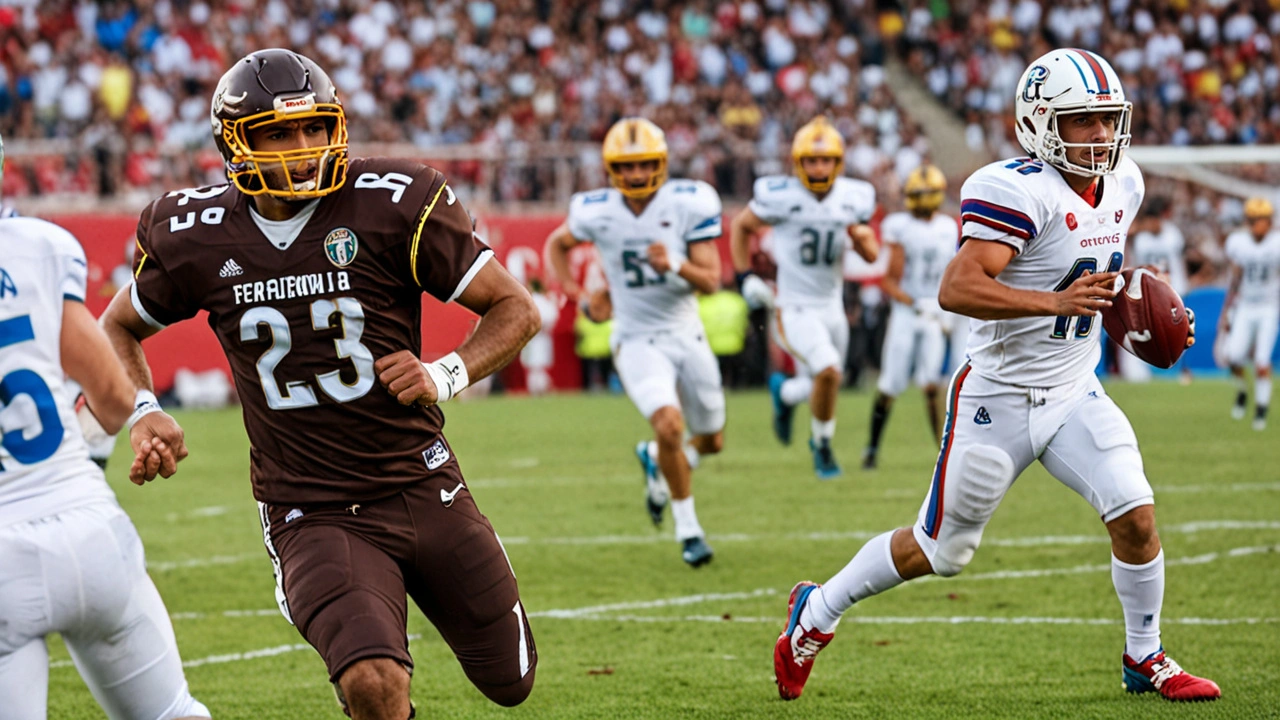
x=1031, y=127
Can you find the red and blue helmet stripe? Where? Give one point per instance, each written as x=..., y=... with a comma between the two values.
x=1094, y=66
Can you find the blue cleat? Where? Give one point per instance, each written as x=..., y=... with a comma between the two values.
x=782, y=412
x=824, y=461
x=696, y=552
x=655, y=495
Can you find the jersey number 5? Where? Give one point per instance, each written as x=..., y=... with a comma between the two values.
x=1084, y=324
x=28, y=382
x=299, y=393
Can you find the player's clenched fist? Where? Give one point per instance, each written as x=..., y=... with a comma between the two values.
x=1089, y=294
x=405, y=377
x=159, y=443
x=658, y=258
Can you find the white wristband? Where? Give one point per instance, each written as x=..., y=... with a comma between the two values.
x=450, y=376
x=144, y=403
x=677, y=262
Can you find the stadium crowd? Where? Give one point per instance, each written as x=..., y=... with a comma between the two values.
x=508, y=96
x=730, y=82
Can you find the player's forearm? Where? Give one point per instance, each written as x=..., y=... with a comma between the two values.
x=985, y=298
x=864, y=242
x=740, y=244
x=558, y=255
x=895, y=291
x=503, y=330
x=703, y=279
x=125, y=341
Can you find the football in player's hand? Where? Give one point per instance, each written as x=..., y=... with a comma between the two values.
x=1147, y=318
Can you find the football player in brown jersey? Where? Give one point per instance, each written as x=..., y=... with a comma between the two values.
x=311, y=266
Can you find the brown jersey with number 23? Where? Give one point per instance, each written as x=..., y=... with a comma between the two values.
x=302, y=322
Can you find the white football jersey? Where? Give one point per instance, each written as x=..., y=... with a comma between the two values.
x=1162, y=250
x=682, y=212
x=1058, y=236
x=1259, y=264
x=927, y=247
x=44, y=460
x=810, y=236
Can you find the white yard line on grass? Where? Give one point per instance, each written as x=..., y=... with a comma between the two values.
x=165, y=566
x=645, y=604
x=1189, y=528
x=1082, y=569
x=937, y=620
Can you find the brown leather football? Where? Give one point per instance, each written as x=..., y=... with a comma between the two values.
x=1147, y=318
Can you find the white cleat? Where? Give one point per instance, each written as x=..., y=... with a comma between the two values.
x=1260, y=424
x=1237, y=412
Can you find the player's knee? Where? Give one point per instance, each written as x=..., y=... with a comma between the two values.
x=710, y=444
x=986, y=472
x=829, y=375
x=668, y=426
x=510, y=695
x=373, y=683
x=1134, y=529
x=1263, y=371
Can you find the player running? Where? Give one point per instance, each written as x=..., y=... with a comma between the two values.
x=656, y=239
x=921, y=241
x=1251, y=313
x=1042, y=239
x=814, y=215
x=72, y=561
x=311, y=265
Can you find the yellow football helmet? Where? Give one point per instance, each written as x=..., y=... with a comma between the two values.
x=818, y=139
x=635, y=140
x=1256, y=208
x=924, y=189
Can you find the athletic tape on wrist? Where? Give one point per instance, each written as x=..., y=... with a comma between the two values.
x=450, y=376
x=144, y=403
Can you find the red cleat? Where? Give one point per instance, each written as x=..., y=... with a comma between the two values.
x=797, y=647
x=1159, y=673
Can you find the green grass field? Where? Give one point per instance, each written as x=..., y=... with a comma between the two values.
x=626, y=630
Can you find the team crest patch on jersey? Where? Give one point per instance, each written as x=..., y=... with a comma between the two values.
x=340, y=245
x=982, y=417
x=1071, y=221
x=294, y=514
x=436, y=455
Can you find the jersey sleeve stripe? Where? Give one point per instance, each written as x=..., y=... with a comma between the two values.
x=417, y=234
x=998, y=217
x=142, y=312
x=142, y=259
x=481, y=259
x=70, y=296
x=708, y=229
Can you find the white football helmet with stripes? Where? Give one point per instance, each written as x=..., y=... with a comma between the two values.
x=1069, y=81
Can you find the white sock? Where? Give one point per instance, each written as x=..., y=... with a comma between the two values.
x=686, y=519
x=823, y=430
x=870, y=572
x=692, y=455
x=1262, y=392
x=796, y=390
x=1141, y=591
